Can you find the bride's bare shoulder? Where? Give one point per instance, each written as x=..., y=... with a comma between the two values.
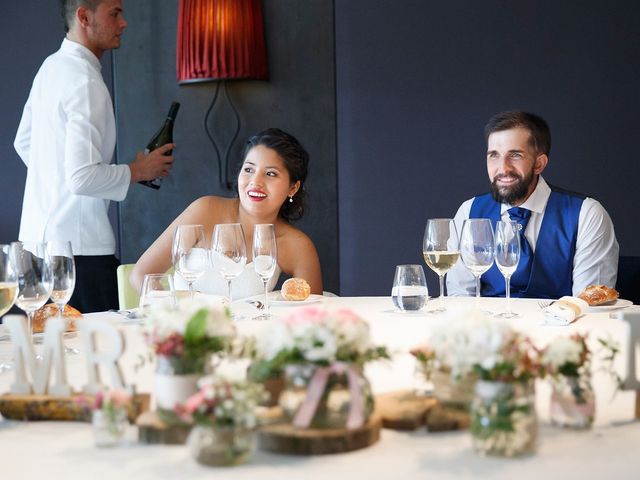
x=213, y=207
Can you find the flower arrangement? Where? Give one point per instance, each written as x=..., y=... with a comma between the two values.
x=568, y=356
x=184, y=335
x=314, y=336
x=109, y=415
x=467, y=341
x=568, y=362
x=222, y=402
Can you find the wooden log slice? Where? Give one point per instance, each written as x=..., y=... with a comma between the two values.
x=285, y=438
x=76, y=407
x=403, y=410
x=152, y=429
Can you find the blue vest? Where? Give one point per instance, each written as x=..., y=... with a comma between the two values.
x=552, y=266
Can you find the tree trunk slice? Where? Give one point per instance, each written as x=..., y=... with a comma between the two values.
x=404, y=410
x=76, y=407
x=285, y=438
x=154, y=430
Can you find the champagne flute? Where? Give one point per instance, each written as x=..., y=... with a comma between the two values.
x=229, y=253
x=63, y=272
x=8, y=291
x=35, y=282
x=190, y=253
x=265, y=258
x=507, y=256
x=440, y=247
x=476, y=247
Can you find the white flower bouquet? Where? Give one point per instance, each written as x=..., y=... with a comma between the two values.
x=187, y=333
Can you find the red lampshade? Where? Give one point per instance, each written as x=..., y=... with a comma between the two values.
x=220, y=40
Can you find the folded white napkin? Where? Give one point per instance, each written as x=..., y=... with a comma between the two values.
x=564, y=311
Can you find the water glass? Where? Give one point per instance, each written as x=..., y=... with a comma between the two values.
x=157, y=288
x=476, y=247
x=190, y=253
x=265, y=259
x=409, y=291
x=229, y=253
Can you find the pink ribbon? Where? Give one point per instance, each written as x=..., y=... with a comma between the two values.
x=316, y=388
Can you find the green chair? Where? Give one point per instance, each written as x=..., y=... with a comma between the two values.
x=128, y=297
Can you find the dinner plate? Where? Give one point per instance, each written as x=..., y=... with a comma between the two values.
x=276, y=299
x=620, y=303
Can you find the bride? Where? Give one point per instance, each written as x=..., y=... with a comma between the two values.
x=270, y=190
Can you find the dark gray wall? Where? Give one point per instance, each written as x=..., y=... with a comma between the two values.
x=417, y=81
x=30, y=31
x=21, y=54
x=299, y=97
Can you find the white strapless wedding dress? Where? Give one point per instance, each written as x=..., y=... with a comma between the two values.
x=247, y=284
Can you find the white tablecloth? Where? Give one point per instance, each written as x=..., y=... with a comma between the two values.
x=36, y=450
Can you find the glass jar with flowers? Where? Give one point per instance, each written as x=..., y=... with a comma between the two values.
x=183, y=338
x=223, y=412
x=323, y=354
x=109, y=417
x=568, y=362
x=503, y=366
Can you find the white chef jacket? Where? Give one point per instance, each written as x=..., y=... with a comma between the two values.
x=596, y=258
x=66, y=138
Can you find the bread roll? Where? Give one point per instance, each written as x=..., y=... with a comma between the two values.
x=295, y=289
x=71, y=315
x=598, y=295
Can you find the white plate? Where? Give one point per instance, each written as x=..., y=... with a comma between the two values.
x=278, y=300
x=620, y=303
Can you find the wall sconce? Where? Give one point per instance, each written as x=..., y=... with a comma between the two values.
x=220, y=40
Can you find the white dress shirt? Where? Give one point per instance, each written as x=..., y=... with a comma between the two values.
x=66, y=138
x=596, y=258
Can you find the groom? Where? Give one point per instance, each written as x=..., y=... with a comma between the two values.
x=567, y=240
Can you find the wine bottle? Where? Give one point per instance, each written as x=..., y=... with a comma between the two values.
x=162, y=137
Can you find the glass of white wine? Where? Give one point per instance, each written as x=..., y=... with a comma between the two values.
x=8, y=292
x=229, y=253
x=190, y=253
x=476, y=247
x=440, y=247
x=265, y=258
x=8, y=280
x=507, y=256
x=35, y=281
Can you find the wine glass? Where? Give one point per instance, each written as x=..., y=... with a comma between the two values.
x=440, y=247
x=157, y=288
x=265, y=258
x=507, y=256
x=409, y=292
x=476, y=247
x=35, y=281
x=63, y=272
x=190, y=253
x=8, y=290
x=229, y=252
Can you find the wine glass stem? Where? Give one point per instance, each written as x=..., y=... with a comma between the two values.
x=477, y=286
x=191, y=291
x=507, y=281
x=30, y=324
x=441, y=292
x=266, y=299
x=229, y=289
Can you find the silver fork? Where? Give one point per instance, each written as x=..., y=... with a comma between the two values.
x=256, y=303
x=545, y=303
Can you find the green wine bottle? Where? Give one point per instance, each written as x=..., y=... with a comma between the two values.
x=162, y=137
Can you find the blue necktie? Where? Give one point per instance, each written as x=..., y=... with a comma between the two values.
x=520, y=279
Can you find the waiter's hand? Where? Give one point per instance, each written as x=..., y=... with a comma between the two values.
x=152, y=165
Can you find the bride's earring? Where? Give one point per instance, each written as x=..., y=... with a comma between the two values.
x=290, y=198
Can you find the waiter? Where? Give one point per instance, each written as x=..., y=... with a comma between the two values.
x=67, y=138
